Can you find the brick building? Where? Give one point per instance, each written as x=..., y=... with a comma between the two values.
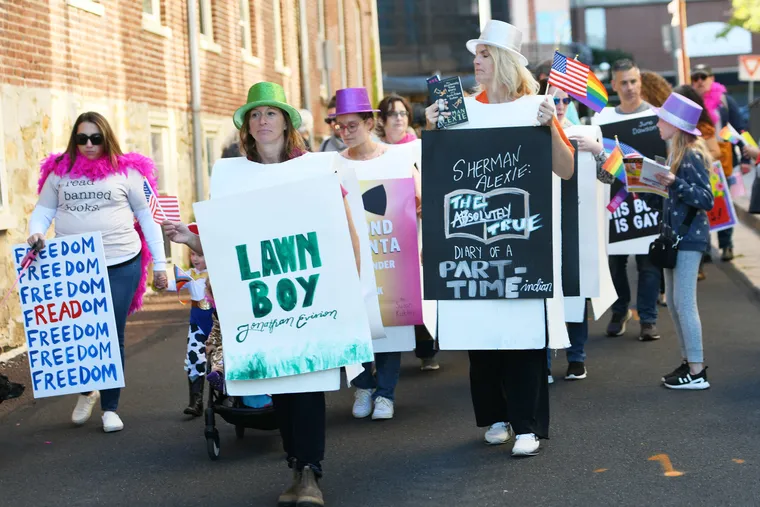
x=130, y=61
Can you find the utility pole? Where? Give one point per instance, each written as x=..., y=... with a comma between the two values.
x=677, y=10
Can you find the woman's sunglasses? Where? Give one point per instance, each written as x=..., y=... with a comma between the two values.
x=565, y=101
x=95, y=139
x=330, y=121
x=699, y=77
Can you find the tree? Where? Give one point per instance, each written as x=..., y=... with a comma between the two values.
x=746, y=14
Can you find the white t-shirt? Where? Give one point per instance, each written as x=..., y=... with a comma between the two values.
x=108, y=205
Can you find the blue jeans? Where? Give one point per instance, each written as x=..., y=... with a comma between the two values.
x=725, y=238
x=388, y=366
x=578, y=333
x=123, y=280
x=648, y=287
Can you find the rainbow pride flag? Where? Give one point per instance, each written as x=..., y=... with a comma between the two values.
x=614, y=165
x=596, y=95
x=181, y=277
x=729, y=133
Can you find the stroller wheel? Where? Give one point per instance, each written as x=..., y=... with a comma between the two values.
x=240, y=431
x=212, y=446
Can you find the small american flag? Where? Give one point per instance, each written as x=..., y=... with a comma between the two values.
x=162, y=207
x=568, y=75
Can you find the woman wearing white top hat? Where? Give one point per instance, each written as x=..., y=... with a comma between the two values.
x=510, y=392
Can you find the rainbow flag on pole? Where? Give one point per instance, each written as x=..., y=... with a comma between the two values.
x=596, y=95
x=729, y=133
x=615, y=166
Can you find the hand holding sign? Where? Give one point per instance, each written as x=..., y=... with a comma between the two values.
x=546, y=112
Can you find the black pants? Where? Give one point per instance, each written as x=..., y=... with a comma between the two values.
x=301, y=417
x=424, y=343
x=511, y=386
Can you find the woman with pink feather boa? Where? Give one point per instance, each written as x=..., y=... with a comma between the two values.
x=93, y=186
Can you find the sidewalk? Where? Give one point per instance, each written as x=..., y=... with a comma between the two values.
x=162, y=317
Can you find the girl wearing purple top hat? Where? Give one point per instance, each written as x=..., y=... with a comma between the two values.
x=689, y=197
x=356, y=122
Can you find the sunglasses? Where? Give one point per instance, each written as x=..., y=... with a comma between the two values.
x=699, y=77
x=399, y=114
x=95, y=139
x=565, y=101
x=330, y=121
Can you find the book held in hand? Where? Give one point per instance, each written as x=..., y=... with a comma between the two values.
x=641, y=173
x=448, y=94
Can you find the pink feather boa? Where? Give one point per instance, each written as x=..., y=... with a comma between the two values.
x=713, y=100
x=58, y=164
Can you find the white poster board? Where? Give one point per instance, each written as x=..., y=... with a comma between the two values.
x=68, y=317
x=516, y=324
x=592, y=223
x=235, y=175
x=397, y=162
x=286, y=288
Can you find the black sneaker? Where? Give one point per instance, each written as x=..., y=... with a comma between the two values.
x=688, y=381
x=728, y=254
x=616, y=327
x=648, y=332
x=576, y=370
x=681, y=370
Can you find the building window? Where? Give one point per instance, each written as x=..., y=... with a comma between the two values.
x=248, y=44
x=342, y=45
x=91, y=6
x=596, y=27
x=358, y=33
x=280, y=51
x=159, y=152
x=206, y=27
x=151, y=19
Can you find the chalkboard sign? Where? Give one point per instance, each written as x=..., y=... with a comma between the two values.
x=635, y=218
x=487, y=210
x=571, y=259
x=641, y=134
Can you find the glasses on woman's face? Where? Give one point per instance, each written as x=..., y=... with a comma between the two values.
x=350, y=127
x=565, y=101
x=397, y=114
x=95, y=139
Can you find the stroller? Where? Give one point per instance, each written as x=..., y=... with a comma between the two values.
x=234, y=413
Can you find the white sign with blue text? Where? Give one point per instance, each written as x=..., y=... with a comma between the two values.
x=68, y=317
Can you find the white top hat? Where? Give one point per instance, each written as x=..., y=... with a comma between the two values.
x=502, y=35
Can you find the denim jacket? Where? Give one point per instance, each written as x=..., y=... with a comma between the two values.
x=691, y=189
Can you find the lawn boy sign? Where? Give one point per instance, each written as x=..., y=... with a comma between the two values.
x=488, y=223
x=68, y=317
x=285, y=283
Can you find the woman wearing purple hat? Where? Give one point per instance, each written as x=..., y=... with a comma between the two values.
x=689, y=197
x=375, y=394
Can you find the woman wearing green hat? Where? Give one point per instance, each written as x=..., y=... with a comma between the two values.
x=269, y=135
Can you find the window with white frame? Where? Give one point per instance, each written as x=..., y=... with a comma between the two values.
x=151, y=18
x=206, y=26
x=91, y=6
x=159, y=152
x=279, y=43
x=358, y=32
x=342, y=45
x=245, y=26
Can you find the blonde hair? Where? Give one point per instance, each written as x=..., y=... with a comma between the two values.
x=509, y=73
x=681, y=143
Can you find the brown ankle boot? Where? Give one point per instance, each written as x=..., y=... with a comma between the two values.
x=289, y=497
x=309, y=495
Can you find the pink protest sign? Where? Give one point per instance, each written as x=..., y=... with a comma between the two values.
x=391, y=213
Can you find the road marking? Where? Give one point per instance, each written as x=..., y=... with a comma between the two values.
x=667, y=466
x=739, y=461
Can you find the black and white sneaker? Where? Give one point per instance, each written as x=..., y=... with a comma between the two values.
x=576, y=370
x=688, y=381
x=683, y=369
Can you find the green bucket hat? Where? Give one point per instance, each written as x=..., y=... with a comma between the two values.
x=266, y=94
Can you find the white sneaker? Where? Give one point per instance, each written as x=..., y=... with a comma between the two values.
x=362, y=403
x=83, y=410
x=550, y=379
x=525, y=445
x=383, y=408
x=112, y=422
x=498, y=433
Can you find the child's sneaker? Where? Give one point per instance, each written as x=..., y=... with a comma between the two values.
x=688, y=381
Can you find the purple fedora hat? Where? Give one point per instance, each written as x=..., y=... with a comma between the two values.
x=352, y=100
x=680, y=112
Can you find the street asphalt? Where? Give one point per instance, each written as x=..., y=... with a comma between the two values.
x=618, y=438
